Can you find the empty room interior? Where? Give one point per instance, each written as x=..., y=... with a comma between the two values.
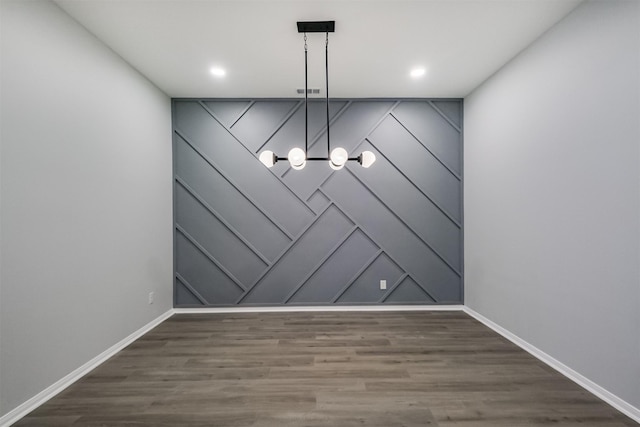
x=320, y=213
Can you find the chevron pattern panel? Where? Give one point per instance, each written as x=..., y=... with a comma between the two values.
x=249, y=235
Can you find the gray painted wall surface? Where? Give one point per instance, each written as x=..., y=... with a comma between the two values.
x=86, y=199
x=246, y=234
x=552, y=209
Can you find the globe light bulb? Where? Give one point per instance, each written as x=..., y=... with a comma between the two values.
x=367, y=158
x=339, y=157
x=334, y=167
x=297, y=158
x=300, y=166
x=267, y=158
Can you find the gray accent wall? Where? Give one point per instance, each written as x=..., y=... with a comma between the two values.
x=249, y=235
x=552, y=195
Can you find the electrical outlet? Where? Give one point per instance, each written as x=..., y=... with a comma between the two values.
x=151, y=295
x=383, y=284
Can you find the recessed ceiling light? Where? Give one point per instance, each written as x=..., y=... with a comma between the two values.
x=418, y=72
x=218, y=72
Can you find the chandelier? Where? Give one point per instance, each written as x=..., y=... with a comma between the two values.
x=297, y=157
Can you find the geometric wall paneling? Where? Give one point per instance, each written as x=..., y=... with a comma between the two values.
x=390, y=186
x=216, y=240
x=202, y=277
x=421, y=167
x=318, y=201
x=249, y=235
x=406, y=291
x=261, y=121
x=342, y=266
x=363, y=289
x=425, y=122
x=451, y=110
x=325, y=235
x=394, y=236
x=214, y=190
x=228, y=112
x=185, y=297
x=214, y=143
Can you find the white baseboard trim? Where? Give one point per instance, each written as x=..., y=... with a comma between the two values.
x=55, y=388
x=288, y=308
x=613, y=400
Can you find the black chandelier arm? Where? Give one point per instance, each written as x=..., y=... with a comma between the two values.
x=312, y=159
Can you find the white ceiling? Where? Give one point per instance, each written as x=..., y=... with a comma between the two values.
x=174, y=43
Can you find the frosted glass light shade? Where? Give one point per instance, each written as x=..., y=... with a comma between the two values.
x=339, y=157
x=367, y=158
x=335, y=167
x=297, y=158
x=267, y=158
x=299, y=167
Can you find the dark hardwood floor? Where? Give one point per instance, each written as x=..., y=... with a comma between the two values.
x=324, y=369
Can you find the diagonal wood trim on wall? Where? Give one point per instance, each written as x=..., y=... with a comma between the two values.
x=249, y=235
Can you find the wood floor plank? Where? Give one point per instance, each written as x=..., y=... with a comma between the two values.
x=317, y=369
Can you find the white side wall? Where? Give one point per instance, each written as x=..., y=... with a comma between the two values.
x=552, y=195
x=86, y=199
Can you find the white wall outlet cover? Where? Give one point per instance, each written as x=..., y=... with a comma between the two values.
x=383, y=284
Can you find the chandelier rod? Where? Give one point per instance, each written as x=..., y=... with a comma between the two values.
x=306, y=98
x=326, y=72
